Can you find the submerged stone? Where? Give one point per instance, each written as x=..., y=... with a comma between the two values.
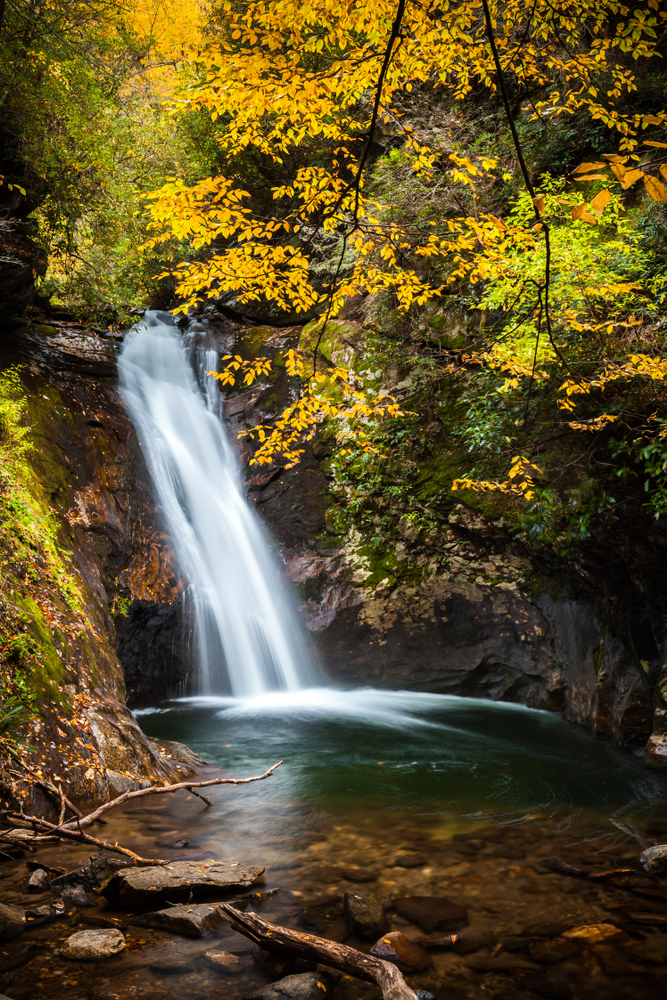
x=555, y=950
x=654, y=859
x=191, y=920
x=77, y=896
x=178, y=881
x=171, y=968
x=225, y=961
x=92, y=946
x=12, y=921
x=306, y=986
x=410, y=860
x=284, y=963
x=365, y=915
x=432, y=913
x=545, y=986
x=395, y=947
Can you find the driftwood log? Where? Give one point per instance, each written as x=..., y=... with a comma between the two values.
x=73, y=828
x=273, y=937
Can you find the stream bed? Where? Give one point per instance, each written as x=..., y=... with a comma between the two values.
x=514, y=815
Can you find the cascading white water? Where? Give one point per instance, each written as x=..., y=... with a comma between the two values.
x=248, y=636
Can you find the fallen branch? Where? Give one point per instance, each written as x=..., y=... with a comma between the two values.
x=273, y=937
x=164, y=790
x=59, y=831
x=72, y=829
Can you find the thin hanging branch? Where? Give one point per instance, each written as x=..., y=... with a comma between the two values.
x=355, y=185
x=500, y=76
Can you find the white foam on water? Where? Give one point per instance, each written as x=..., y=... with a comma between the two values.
x=369, y=705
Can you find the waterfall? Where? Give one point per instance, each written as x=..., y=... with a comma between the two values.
x=247, y=634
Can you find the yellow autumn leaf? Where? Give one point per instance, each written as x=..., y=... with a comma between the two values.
x=600, y=201
x=655, y=188
x=585, y=168
x=630, y=177
x=581, y=212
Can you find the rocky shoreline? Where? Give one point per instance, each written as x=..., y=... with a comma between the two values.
x=554, y=905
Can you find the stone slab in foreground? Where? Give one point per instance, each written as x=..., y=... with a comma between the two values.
x=180, y=881
x=192, y=920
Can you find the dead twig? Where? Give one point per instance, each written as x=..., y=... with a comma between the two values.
x=202, y=797
x=59, y=831
x=165, y=790
x=273, y=937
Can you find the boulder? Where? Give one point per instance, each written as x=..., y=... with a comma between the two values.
x=90, y=876
x=12, y=921
x=654, y=859
x=365, y=915
x=178, y=881
x=306, y=986
x=396, y=948
x=191, y=920
x=39, y=881
x=92, y=946
x=224, y=961
x=432, y=913
x=77, y=896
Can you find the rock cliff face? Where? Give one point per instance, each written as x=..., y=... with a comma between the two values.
x=67, y=587
x=473, y=617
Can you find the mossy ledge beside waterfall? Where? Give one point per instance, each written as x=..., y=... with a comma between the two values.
x=247, y=634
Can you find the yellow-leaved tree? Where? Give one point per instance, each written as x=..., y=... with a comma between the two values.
x=304, y=88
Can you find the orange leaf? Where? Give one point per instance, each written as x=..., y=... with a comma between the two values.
x=592, y=177
x=583, y=168
x=618, y=170
x=663, y=169
x=600, y=201
x=660, y=145
x=580, y=212
x=539, y=205
x=630, y=177
x=498, y=223
x=614, y=158
x=655, y=188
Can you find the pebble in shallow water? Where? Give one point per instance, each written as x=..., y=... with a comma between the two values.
x=92, y=946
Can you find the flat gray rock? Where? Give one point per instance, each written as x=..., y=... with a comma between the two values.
x=12, y=921
x=305, y=986
x=177, y=882
x=191, y=920
x=654, y=859
x=92, y=946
